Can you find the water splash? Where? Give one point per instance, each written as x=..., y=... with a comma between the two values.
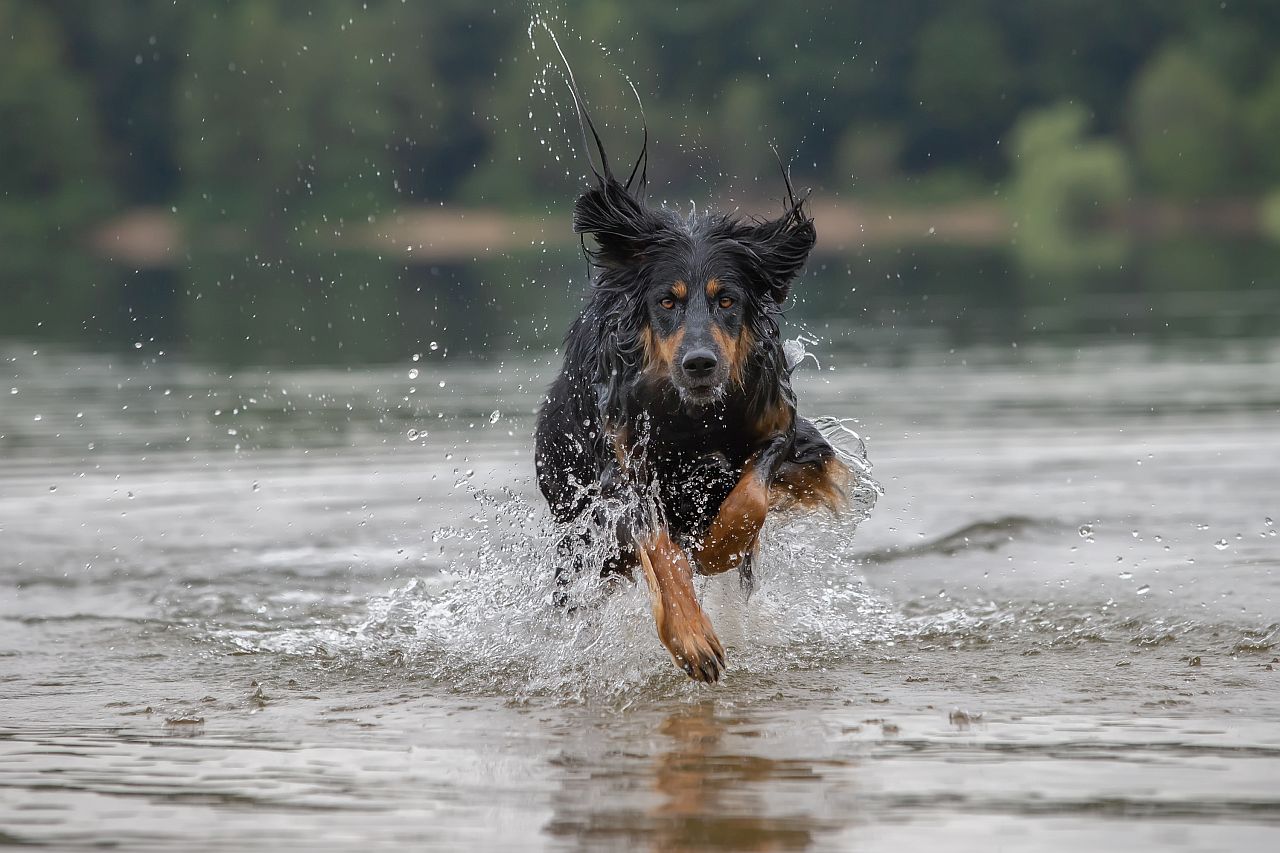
x=485, y=622
x=796, y=351
x=556, y=135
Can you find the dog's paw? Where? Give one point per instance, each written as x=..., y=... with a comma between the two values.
x=695, y=649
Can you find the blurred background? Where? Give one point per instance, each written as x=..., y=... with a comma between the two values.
x=341, y=182
x=281, y=286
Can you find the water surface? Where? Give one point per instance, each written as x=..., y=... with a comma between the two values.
x=258, y=604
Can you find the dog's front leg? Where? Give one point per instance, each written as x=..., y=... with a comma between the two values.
x=682, y=626
x=732, y=535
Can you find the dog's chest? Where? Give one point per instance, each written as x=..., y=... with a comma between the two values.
x=680, y=435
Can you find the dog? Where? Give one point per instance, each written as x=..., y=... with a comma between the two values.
x=675, y=399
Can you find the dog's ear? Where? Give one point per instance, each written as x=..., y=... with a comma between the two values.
x=780, y=248
x=623, y=227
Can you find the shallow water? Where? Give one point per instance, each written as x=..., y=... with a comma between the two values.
x=307, y=608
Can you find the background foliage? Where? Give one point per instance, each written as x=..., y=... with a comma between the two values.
x=1092, y=165
x=283, y=116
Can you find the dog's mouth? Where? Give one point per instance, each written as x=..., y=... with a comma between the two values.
x=700, y=376
x=699, y=393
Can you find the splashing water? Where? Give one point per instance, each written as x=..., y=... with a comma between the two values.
x=796, y=351
x=485, y=623
x=557, y=135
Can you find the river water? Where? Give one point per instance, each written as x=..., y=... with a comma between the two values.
x=281, y=606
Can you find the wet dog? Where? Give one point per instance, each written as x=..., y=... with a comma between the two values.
x=675, y=399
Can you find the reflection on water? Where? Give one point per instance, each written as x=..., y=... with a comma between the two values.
x=697, y=793
x=357, y=308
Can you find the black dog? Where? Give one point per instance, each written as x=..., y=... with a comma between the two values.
x=675, y=398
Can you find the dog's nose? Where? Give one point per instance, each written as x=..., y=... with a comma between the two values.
x=700, y=362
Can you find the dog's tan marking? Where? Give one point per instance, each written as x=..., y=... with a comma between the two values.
x=774, y=421
x=659, y=352
x=746, y=345
x=683, y=628
x=713, y=287
x=818, y=485
x=729, y=351
x=734, y=530
x=679, y=290
x=735, y=351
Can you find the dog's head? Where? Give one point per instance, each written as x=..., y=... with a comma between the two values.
x=696, y=295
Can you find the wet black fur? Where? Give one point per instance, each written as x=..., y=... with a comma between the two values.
x=685, y=454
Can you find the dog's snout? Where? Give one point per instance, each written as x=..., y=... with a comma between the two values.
x=699, y=362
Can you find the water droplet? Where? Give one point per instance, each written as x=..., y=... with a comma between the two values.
x=38, y=418
x=137, y=344
x=412, y=435
x=417, y=356
x=1267, y=521
x=1222, y=545
x=495, y=417
x=53, y=488
x=1086, y=530
x=1143, y=590
x=413, y=373
x=1124, y=576
x=433, y=346
x=256, y=487
x=15, y=391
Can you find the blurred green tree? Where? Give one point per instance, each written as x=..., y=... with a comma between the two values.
x=1184, y=124
x=962, y=76
x=51, y=173
x=870, y=156
x=1263, y=122
x=127, y=54
x=297, y=120
x=1063, y=188
x=277, y=119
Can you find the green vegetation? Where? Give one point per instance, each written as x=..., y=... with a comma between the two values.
x=1062, y=187
x=280, y=125
x=51, y=174
x=1184, y=124
x=1270, y=215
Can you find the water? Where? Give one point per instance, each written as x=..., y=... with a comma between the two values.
x=251, y=606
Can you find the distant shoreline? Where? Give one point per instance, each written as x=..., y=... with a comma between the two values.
x=154, y=237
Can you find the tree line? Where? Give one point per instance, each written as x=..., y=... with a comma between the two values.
x=290, y=120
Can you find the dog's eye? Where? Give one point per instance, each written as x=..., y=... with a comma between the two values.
x=668, y=303
x=726, y=301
